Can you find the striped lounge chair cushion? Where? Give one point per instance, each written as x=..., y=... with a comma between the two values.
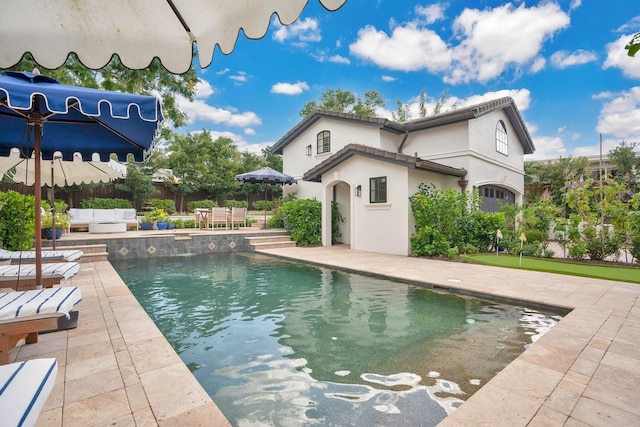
x=66, y=255
x=15, y=305
x=24, y=389
x=64, y=269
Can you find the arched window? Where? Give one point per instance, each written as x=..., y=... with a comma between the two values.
x=502, y=141
x=324, y=142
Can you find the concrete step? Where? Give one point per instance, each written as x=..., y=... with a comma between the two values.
x=264, y=239
x=273, y=245
x=270, y=242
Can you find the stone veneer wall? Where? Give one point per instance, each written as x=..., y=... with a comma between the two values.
x=165, y=245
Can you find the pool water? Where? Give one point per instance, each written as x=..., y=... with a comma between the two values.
x=286, y=344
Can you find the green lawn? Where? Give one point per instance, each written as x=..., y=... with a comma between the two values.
x=608, y=272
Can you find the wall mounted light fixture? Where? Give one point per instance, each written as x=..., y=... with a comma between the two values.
x=358, y=190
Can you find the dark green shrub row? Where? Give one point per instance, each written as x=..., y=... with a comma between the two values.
x=104, y=203
x=200, y=204
x=236, y=204
x=263, y=205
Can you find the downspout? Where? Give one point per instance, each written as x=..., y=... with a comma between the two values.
x=406, y=134
x=463, y=182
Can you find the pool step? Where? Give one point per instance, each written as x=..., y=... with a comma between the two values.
x=91, y=253
x=270, y=242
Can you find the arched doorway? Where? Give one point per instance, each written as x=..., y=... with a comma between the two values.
x=493, y=196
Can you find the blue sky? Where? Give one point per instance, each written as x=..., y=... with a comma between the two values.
x=562, y=61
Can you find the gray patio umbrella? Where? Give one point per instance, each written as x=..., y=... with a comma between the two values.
x=265, y=175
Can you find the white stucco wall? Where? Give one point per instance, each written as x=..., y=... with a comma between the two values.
x=296, y=162
x=375, y=227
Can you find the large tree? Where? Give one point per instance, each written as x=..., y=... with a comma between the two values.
x=200, y=162
x=627, y=164
x=346, y=102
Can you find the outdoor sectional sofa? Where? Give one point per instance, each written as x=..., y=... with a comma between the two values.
x=82, y=218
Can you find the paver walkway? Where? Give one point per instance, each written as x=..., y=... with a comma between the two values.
x=117, y=369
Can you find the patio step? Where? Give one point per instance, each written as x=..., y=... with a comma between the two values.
x=270, y=242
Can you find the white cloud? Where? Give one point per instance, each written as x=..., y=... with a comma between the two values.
x=408, y=48
x=617, y=57
x=575, y=4
x=338, y=59
x=222, y=72
x=490, y=41
x=289, y=88
x=240, y=77
x=563, y=59
x=203, y=89
x=522, y=98
x=494, y=39
x=250, y=131
x=200, y=110
x=431, y=13
x=620, y=116
x=388, y=78
x=240, y=142
x=547, y=147
x=300, y=32
x=538, y=64
x=632, y=26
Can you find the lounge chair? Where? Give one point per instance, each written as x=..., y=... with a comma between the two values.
x=24, y=314
x=24, y=389
x=21, y=277
x=47, y=256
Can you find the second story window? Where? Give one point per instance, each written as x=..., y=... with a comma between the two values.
x=378, y=190
x=324, y=142
x=502, y=142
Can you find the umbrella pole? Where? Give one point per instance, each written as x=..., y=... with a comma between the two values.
x=53, y=209
x=37, y=121
x=265, y=207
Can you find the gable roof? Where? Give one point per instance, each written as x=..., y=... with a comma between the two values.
x=460, y=114
x=315, y=173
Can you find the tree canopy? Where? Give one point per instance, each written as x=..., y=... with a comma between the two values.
x=346, y=102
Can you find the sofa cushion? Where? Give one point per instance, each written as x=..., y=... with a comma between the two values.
x=125, y=215
x=104, y=215
x=82, y=216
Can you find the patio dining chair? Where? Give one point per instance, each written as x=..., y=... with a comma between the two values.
x=219, y=216
x=238, y=217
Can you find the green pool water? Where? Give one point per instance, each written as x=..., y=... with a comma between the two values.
x=286, y=344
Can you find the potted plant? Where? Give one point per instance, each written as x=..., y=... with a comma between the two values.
x=160, y=217
x=146, y=223
x=61, y=224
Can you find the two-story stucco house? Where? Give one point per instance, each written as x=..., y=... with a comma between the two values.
x=371, y=166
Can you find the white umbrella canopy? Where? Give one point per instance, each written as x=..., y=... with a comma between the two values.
x=136, y=30
x=58, y=172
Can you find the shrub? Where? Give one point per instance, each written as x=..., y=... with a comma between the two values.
x=236, y=204
x=17, y=221
x=263, y=205
x=201, y=204
x=167, y=205
x=303, y=221
x=105, y=203
x=157, y=215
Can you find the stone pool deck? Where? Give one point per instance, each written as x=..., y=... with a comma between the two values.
x=117, y=369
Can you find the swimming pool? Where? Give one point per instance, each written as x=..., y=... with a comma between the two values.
x=281, y=343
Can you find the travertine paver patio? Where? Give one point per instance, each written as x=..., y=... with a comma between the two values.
x=117, y=369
